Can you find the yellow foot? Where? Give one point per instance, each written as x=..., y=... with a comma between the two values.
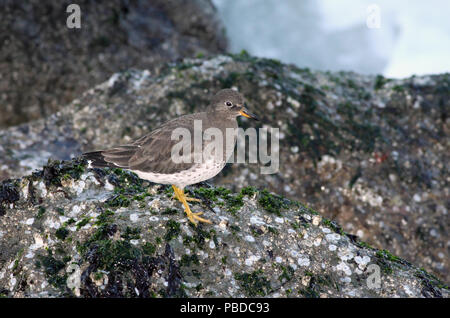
x=193, y=217
x=189, y=199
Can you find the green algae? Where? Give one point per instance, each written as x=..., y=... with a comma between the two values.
x=53, y=269
x=119, y=201
x=114, y=254
x=149, y=248
x=272, y=203
x=62, y=233
x=131, y=233
x=387, y=261
x=287, y=273
x=40, y=213
x=254, y=284
x=316, y=285
x=380, y=81
x=169, y=211
x=188, y=260
x=365, y=245
x=55, y=171
x=232, y=202
x=172, y=230
x=429, y=280
x=83, y=222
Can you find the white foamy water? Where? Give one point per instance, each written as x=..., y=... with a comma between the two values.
x=413, y=38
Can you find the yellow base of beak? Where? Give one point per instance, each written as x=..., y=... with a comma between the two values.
x=244, y=114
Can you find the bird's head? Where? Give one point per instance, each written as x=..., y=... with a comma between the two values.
x=230, y=103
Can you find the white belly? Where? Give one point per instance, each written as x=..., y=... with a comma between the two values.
x=196, y=174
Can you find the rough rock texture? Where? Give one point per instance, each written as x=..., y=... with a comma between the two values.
x=44, y=64
x=71, y=231
x=366, y=151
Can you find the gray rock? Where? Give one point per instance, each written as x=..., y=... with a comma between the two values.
x=44, y=64
x=366, y=151
x=71, y=231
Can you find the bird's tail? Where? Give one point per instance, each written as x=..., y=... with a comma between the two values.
x=117, y=157
x=97, y=160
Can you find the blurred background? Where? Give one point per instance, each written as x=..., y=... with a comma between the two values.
x=413, y=37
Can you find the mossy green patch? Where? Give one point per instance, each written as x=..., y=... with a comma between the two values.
x=428, y=279
x=187, y=260
x=235, y=228
x=380, y=81
x=83, y=222
x=224, y=260
x=249, y=191
x=308, y=292
x=105, y=228
x=115, y=254
x=141, y=197
x=148, y=248
x=331, y=225
x=40, y=213
x=254, y=284
x=272, y=203
x=387, y=261
x=398, y=88
x=17, y=261
x=211, y=194
x=200, y=235
x=118, y=200
x=232, y=202
x=56, y=170
x=243, y=56
x=172, y=230
x=60, y=211
x=317, y=284
x=104, y=217
x=128, y=184
x=272, y=230
x=62, y=233
x=287, y=273
x=169, y=211
x=364, y=245
x=70, y=222
x=387, y=255
x=53, y=269
x=131, y=233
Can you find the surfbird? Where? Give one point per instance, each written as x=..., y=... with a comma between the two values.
x=151, y=156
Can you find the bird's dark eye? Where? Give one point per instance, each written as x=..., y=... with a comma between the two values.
x=229, y=104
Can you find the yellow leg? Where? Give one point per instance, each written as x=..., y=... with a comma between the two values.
x=193, y=217
x=188, y=199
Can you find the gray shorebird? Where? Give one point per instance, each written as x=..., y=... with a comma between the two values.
x=151, y=156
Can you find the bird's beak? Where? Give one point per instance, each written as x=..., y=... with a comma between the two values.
x=244, y=112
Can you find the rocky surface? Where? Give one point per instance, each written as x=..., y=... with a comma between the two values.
x=44, y=64
x=366, y=151
x=70, y=231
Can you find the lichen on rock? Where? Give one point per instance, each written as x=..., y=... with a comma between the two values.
x=106, y=233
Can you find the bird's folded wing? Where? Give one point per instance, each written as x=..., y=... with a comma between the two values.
x=153, y=152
